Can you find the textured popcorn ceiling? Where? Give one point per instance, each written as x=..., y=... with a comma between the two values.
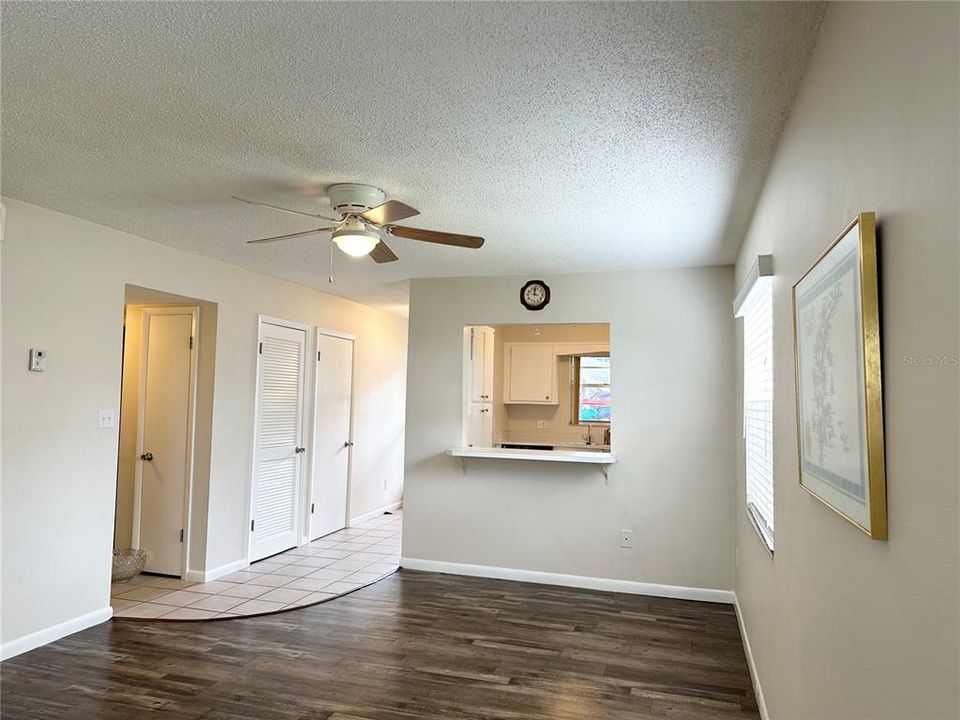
x=574, y=137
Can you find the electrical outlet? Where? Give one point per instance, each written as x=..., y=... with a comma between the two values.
x=626, y=538
x=541, y=424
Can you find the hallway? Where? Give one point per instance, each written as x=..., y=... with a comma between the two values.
x=326, y=568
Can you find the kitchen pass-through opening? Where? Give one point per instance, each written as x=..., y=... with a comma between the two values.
x=537, y=387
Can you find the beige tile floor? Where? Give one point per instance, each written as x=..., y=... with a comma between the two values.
x=328, y=567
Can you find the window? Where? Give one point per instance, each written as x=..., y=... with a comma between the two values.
x=757, y=312
x=591, y=389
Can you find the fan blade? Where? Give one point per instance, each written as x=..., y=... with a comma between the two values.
x=388, y=212
x=382, y=254
x=278, y=238
x=283, y=209
x=432, y=236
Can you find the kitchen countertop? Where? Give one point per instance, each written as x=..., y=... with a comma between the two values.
x=584, y=456
x=557, y=445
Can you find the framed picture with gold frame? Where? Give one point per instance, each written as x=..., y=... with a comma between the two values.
x=836, y=317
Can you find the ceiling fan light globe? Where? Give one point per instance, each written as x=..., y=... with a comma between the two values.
x=356, y=244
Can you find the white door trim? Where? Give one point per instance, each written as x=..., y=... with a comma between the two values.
x=306, y=429
x=148, y=311
x=308, y=496
x=336, y=334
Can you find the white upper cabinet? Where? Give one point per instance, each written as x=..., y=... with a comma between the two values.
x=478, y=386
x=480, y=347
x=530, y=374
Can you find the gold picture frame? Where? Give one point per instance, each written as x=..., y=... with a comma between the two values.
x=836, y=333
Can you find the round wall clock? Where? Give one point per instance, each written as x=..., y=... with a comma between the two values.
x=535, y=295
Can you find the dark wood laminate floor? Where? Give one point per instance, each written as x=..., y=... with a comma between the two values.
x=415, y=645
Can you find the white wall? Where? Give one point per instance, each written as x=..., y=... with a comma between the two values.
x=842, y=626
x=673, y=363
x=63, y=291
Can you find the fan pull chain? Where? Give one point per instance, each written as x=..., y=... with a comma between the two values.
x=330, y=279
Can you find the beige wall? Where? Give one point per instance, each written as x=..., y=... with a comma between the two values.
x=842, y=626
x=671, y=335
x=63, y=290
x=519, y=422
x=128, y=421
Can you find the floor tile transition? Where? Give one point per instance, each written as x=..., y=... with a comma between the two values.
x=325, y=568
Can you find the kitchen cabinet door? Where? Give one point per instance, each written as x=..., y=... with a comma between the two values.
x=481, y=364
x=479, y=430
x=531, y=374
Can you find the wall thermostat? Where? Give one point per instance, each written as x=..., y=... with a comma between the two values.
x=38, y=360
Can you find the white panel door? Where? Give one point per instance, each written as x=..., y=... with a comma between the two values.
x=331, y=439
x=166, y=399
x=278, y=451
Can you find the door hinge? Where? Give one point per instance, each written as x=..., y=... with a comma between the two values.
x=318, y=356
x=191, y=342
x=251, y=525
x=260, y=349
x=311, y=508
x=181, y=535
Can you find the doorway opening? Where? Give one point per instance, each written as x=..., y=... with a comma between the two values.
x=537, y=387
x=306, y=544
x=166, y=413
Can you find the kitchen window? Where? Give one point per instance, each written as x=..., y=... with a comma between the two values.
x=590, y=389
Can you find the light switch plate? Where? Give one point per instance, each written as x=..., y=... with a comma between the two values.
x=105, y=419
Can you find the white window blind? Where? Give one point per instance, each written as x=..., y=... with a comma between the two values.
x=757, y=312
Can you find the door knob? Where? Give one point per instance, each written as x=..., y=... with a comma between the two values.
x=348, y=444
x=147, y=457
x=300, y=450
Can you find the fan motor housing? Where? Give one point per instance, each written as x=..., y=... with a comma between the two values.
x=353, y=198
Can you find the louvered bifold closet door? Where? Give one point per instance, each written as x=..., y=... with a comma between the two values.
x=279, y=426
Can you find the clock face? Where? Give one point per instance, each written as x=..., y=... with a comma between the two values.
x=535, y=295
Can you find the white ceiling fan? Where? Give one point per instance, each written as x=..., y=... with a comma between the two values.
x=366, y=216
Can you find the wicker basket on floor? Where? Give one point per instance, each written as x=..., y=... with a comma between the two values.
x=127, y=564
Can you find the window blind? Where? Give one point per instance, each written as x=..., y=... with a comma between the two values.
x=757, y=311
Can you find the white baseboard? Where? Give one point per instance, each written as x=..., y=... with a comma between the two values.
x=757, y=690
x=24, y=643
x=219, y=572
x=579, y=581
x=375, y=513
